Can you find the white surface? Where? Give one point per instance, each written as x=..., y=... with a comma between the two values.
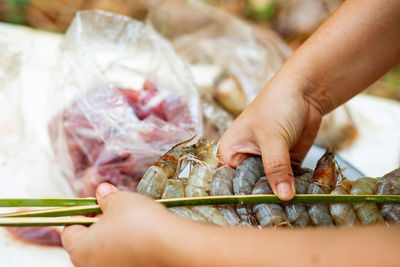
x=26, y=165
x=376, y=152
x=377, y=149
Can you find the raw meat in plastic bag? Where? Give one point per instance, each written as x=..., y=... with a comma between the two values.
x=125, y=98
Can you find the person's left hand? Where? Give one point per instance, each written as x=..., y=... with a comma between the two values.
x=129, y=233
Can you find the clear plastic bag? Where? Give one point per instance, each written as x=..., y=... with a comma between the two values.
x=230, y=60
x=124, y=97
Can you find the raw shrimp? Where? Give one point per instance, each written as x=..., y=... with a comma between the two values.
x=247, y=174
x=390, y=185
x=199, y=182
x=176, y=189
x=267, y=214
x=155, y=178
x=221, y=185
x=367, y=213
x=323, y=182
x=343, y=214
x=297, y=214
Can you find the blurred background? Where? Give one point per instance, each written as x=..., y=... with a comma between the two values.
x=293, y=20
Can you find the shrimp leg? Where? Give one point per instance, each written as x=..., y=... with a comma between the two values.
x=154, y=180
x=199, y=182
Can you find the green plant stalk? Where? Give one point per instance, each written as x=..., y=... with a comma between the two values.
x=215, y=200
x=45, y=221
x=300, y=198
x=69, y=211
x=209, y=200
x=46, y=202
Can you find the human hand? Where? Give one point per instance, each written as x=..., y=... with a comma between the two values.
x=129, y=233
x=280, y=125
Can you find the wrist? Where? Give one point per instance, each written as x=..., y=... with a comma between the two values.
x=314, y=94
x=176, y=240
x=192, y=244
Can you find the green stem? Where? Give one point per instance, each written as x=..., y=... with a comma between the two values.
x=213, y=200
x=46, y=202
x=300, y=198
x=46, y=221
x=70, y=211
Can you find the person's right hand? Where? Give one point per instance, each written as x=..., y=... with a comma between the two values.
x=280, y=125
x=133, y=230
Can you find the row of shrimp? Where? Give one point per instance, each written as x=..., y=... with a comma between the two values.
x=164, y=180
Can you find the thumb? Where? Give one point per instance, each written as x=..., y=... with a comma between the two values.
x=276, y=161
x=103, y=191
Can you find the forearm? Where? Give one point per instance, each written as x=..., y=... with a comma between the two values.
x=216, y=246
x=358, y=44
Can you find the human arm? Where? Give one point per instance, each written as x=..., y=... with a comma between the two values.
x=353, y=48
x=136, y=231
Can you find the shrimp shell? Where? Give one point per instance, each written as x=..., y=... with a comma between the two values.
x=297, y=214
x=221, y=185
x=211, y=214
x=343, y=214
x=176, y=189
x=199, y=182
x=390, y=185
x=155, y=179
x=323, y=182
x=367, y=213
x=325, y=173
x=247, y=174
x=267, y=214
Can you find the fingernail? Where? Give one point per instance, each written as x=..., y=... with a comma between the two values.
x=284, y=190
x=105, y=189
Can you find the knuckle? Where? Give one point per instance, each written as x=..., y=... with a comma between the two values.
x=114, y=199
x=123, y=201
x=278, y=168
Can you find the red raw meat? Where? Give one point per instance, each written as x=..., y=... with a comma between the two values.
x=87, y=161
x=46, y=236
x=141, y=103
